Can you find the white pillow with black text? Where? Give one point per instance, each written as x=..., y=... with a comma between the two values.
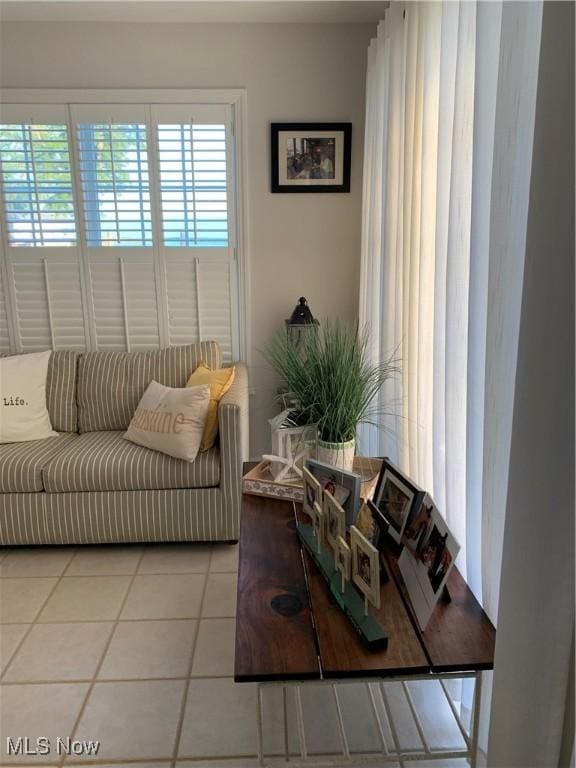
x=171, y=420
x=23, y=412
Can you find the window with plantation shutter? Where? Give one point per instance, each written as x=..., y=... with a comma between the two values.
x=119, y=225
x=115, y=184
x=37, y=183
x=193, y=185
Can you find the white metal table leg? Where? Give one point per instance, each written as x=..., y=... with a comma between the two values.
x=391, y=725
x=259, y=722
x=301, y=730
x=475, y=719
x=285, y=713
x=341, y=728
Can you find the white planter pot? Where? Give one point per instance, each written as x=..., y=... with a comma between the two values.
x=340, y=455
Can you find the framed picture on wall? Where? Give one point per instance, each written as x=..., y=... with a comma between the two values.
x=311, y=157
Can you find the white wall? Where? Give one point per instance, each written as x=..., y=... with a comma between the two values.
x=299, y=244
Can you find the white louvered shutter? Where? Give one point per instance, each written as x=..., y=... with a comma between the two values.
x=119, y=227
x=113, y=151
x=4, y=334
x=194, y=150
x=40, y=233
x=182, y=296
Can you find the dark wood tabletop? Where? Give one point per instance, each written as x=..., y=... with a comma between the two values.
x=288, y=628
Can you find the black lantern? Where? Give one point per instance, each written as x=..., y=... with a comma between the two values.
x=300, y=323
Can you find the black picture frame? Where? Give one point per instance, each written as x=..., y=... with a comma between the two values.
x=335, y=149
x=396, y=527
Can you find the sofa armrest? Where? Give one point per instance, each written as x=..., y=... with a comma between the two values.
x=233, y=418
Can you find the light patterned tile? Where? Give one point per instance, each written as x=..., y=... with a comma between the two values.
x=214, y=654
x=161, y=764
x=224, y=558
x=39, y=710
x=10, y=636
x=164, y=597
x=149, y=649
x=86, y=598
x=175, y=558
x=59, y=652
x=232, y=707
x=21, y=599
x=222, y=763
x=320, y=717
x=440, y=727
x=220, y=597
x=36, y=561
x=133, y=720
x=105, y=561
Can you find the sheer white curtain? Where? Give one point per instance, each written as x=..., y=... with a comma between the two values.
x=451, y=99
x=451, y=93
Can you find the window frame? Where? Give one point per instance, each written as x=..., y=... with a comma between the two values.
x=235, y=99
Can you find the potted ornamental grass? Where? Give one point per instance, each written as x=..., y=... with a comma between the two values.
x=333, y=384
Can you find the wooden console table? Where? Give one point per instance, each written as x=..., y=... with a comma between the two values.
x=288, y=631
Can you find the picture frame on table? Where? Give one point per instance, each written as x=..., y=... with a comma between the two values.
x=343, y=558
x=310, y=157
x=372, y=524
x=365, y=566
x=343, y=485
x=335, y=521
x=319, y=524
x=312, y=493
x=396, y=498
x=430, y=550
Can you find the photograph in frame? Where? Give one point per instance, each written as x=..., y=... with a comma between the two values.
x=396, y=497
x=365, y=566
x=344, y=486
x=311, y=157
x=335, y=521
x=372, y=524
x=430, y=550
x=312, y=492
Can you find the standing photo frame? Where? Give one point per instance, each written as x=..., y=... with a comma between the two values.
x=430, y=550
x=335, y=521
x=396, y=497
x=365, y=567
x=312, y=493
x=344, y=486
x=311, y=157
x=343, y=560
x=372, y=524
x=319, y=525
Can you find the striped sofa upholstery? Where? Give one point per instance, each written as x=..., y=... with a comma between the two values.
x=89, y=485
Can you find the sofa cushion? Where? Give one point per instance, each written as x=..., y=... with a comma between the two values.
x=23, y=413
x=21, y=464
x=219, y=382
x=170, y=420
x=110, y=384
x=105, y=461
x=61, y=391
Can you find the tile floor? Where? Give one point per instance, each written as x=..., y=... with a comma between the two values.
x=134, y=647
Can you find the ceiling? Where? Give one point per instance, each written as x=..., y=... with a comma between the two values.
x=200, y=11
